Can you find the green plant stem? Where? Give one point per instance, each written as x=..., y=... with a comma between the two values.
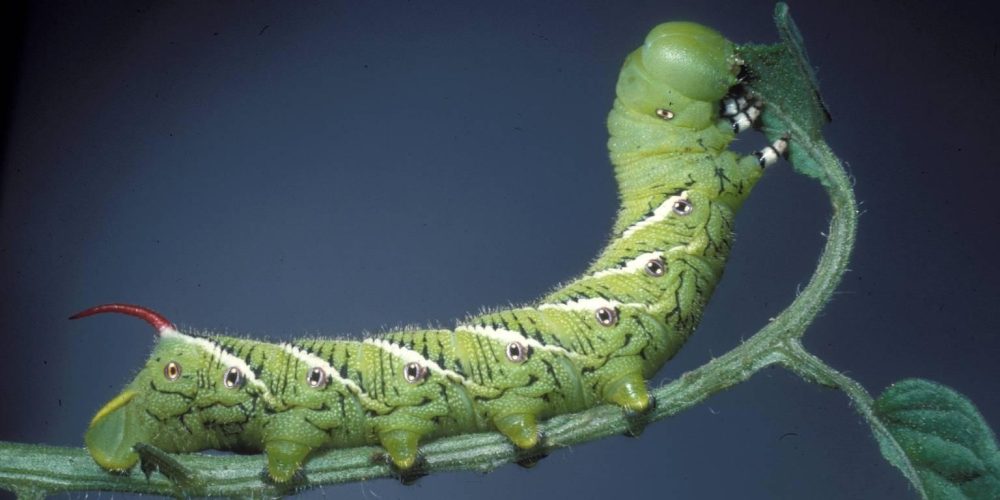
x=811, y=368
x=832, y=265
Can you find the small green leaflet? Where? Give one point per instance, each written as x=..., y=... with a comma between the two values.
x=944, y=438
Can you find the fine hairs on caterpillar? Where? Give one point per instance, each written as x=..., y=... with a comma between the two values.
x=594, y=341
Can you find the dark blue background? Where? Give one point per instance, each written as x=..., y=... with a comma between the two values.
x=278, y=170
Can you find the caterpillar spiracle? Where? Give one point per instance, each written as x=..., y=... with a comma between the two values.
x=595, y=340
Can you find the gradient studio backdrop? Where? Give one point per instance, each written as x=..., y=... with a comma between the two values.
x=335, y=168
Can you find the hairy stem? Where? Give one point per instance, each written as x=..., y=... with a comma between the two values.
x=811, y=368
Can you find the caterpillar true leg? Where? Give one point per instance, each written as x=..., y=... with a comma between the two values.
x=734, y=103
x=741, y=108
x=770, y=154
x=747, y=118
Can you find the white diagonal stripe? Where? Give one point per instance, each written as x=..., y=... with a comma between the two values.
x=312, y=360
x=636, y=264
x=411, y=356
x=591, y=304
x=666, y=208
x=508, y=336
x=220, y=354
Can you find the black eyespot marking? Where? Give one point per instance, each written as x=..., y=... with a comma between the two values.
x=606, y=316
x=683, y=207
x=517, y=352
x=656, y=267
x=414, y=372
x=316, y=377
x=233, y=378
x=172, y=371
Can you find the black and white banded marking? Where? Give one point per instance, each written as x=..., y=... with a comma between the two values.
x=770, y=154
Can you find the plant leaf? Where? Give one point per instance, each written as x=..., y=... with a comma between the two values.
x=782, y=76
x=944, y=438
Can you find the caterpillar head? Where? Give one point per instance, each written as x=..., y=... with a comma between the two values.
x=681, y=65
x=695, y=60
x=165, y=404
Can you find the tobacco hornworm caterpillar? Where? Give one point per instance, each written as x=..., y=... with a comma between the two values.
x=595, y=340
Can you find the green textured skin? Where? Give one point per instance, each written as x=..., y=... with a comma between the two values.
x=573, y=361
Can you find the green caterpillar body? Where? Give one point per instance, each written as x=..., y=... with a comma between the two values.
x=593, y=341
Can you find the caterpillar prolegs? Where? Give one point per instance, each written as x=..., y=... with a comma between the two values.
x=595, y=340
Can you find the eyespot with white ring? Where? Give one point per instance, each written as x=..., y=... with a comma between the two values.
x=666, y=114
x=414, y=372
x=172, y=371
x=683, y=207
x=233, y=379
x=517, y=352
x=606, y=316
x=316, y=377
x=655, y=267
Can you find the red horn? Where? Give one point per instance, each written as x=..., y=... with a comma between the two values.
x=148, y=315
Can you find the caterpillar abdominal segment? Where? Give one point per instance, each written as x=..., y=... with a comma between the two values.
x=595, y=340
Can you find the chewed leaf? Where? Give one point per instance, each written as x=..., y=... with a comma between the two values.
x=783, y=77
x=945, y=440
